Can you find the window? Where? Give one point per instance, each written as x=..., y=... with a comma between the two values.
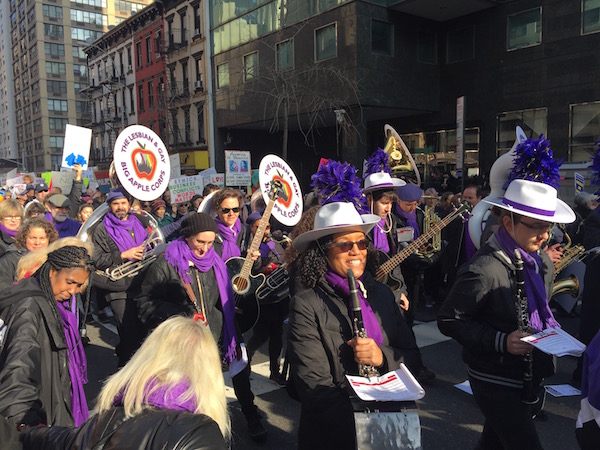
x=141, y=97
x=524, y=29
x=222, y=75
x=57, y=105
x=148, y=50
x=150, y=94
x=187, y=126
x=533, y=121
x=131, y=100
x=585, y=131
x=285, y=55
x=57, y=124
x=54, y=49
x=89, y=17
x=427, y=48
x=55, y=68
x=129, y=60
x=79, y=53
x=459, y=45
x=56, y=87
x=138, y=54
x=201, y=136
x=80, y=106
x=250, y=66
x=382, y=38
x=54, y=12
x=590, y=16
x=53, y=30
x=80, y=70
x=56, y=160
x=326, y=42
x=82, y=34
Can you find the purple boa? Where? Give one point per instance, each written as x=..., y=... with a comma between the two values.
x=165, y=397
x=229, y=235
x=11, y=233
x=179, y=255
x=121, y=231
x=77, y=361
x=411, y=220
x=540, y=315
x=380, y=240
x=340, y=285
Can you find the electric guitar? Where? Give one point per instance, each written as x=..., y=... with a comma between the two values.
x=240, y=270
x=384, y=272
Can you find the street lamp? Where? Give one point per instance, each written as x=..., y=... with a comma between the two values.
x=340, y=116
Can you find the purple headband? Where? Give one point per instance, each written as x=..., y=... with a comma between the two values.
x=522, y=207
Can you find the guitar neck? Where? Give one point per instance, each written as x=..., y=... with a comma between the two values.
x=391, y=264
x=258, y=237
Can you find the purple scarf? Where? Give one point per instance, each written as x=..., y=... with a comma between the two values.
x=229, y=235
x=411, y=220
x=266, y=248
x=179, y=255
x=164, y=397
x=340, y=285
x=77, y=361
x=65, y=229
x=11, y=233
x=540, y=315
x=380, y=240
x=120, y=231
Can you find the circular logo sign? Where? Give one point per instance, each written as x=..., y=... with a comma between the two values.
x=142, y=163
x=275, y=172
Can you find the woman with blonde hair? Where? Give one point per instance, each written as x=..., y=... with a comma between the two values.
x=11, y=216
x=170, y=395
x=42, y=363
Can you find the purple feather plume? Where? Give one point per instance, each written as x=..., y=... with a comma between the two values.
x=339, y=182
x=379, y=161
x=534, y=161
x=595, y=166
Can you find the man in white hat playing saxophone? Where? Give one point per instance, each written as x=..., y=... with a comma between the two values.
x=480, y=312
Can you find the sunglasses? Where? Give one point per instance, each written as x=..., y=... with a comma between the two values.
x=346, y=246
x=227, y=210
x=539, y=228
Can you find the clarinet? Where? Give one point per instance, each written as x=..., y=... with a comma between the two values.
x=528, y=394
x=364, y=370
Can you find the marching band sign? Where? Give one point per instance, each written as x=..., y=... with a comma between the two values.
x=142, y=162
x=288, y=206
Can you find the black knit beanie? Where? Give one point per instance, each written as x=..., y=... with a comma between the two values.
x=196, y=223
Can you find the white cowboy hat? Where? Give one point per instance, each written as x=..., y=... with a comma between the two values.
x=536, y=200
x=382, y=180
x=333, y=218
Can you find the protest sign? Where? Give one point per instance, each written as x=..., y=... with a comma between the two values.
x=237, y=168
x=184, y=188
x=63, y=180
x=76, y=149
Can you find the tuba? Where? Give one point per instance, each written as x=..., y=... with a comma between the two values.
x=498, y=177
x=401, y=161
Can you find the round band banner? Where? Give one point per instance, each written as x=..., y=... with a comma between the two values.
x=142, y=163
x=288, y=206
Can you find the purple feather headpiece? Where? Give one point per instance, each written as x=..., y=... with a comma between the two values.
x=339, y=182
x=378, y=162
x=596, y=168
x=534, y=162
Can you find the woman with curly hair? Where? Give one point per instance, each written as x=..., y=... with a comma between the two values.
x=35, y=234
x=42, y=363
x=170, y=395
x=322, y=348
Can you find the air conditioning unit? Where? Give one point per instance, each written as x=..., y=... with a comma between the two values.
x=197, y=32
x=199, y=85
x=129, y=69
x=158, y=54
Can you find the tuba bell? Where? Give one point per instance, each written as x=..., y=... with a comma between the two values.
x=401, y=161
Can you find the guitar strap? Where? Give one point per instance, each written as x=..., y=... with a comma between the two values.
x=200, y=313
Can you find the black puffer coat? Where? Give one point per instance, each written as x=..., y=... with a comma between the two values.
x=319, y=328
x=153, y=429
x=35, y=383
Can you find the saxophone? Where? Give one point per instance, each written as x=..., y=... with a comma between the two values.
x=568, y=285
x=364, y=370
x=528, y=395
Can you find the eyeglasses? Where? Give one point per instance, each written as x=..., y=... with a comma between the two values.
x=346, y=246
x=226, y=210
x=538, y=228
x=13, y=218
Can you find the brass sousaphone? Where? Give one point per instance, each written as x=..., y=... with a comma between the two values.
x=402, y=163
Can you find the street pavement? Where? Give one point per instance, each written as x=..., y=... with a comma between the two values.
x=449, y=417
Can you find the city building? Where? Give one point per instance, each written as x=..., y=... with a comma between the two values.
x=49, y=70
x=312, y=79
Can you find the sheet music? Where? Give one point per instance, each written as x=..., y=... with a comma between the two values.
x=555, y=341
x=397, y=386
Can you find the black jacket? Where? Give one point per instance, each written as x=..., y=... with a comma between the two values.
x=152, y=429
x=480, y=312
x=8, y=266
x=244, y=241
x=34, y=375
x=319, y=327
x=5, y=242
